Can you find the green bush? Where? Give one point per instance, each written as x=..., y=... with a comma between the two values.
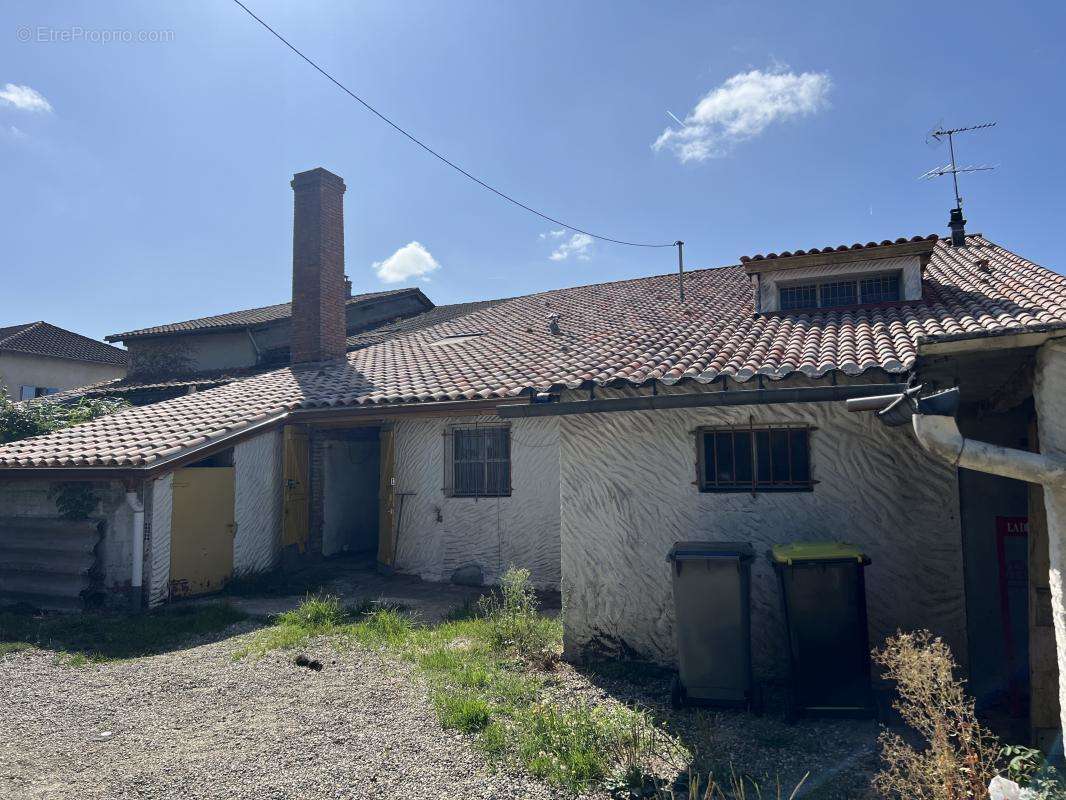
x=317, y=612
x=22, y=420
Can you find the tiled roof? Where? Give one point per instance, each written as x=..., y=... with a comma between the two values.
x=243, y=319
x=424, y=320
x=626, y=332
x=841, y=248
x=45, y=339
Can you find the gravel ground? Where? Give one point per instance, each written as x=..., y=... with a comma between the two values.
x=195, y=724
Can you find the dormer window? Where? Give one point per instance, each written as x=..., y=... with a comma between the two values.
x=837, y=293
x=839, y=277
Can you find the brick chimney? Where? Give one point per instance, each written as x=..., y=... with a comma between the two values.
x=318, y=284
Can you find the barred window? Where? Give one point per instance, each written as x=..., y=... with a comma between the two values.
x=881, y=289
x=834, y=294
x=799, y=297
x=837, y=293
x=758, y=459
x=481, y=462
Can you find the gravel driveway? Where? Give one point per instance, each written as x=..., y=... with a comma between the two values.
x=195, y=724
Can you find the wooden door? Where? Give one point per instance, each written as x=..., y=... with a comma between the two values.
x=296, y=520
x=387, y=501
x=201, y=530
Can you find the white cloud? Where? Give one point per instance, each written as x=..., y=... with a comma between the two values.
x=742, y=107
x=23, y=98
x=12, y=132
x=410, y=261
x=553, y=234
x=577, y=246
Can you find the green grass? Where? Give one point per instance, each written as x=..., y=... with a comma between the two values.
x=79, y=639
x=487, y=677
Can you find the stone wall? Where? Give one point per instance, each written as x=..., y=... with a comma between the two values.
x=628, y=491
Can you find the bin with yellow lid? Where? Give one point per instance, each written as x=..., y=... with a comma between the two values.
x=823, y=597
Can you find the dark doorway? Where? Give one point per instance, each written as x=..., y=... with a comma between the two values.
x=995, y=536
x=351, y=467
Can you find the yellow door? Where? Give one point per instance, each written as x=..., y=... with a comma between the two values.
x=201, y=530
x=386, y=501
x=296, y=517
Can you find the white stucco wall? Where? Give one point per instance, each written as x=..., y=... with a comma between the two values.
x=627, y=493
x=439, y=534
x=257, y=499
x=17, y=370
x=158, y=550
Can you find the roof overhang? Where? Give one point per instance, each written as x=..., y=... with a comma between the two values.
x=923, y=249
x=1009, y=339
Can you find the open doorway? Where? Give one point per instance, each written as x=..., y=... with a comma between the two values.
x=350, y=488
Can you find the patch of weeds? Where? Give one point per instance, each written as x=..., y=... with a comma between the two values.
x=462, y=710
x=317, y=615
x=103, y=636
x=513, y=622
x=573, y=747
x=14, y=647
x=493, y=741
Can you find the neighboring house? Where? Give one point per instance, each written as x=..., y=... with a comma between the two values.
x=581, y=432
x=181, y=357
x=38, y=359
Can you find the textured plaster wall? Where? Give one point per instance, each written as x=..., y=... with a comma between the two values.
x=439, y=534
x=258, y=503
x=158, y=551
x=627, y=493
x=32, y=499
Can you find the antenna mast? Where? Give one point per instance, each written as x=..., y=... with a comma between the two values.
x=938, y=134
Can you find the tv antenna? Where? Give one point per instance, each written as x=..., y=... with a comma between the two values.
x=935, y=137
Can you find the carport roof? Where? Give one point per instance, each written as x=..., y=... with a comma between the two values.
x=620, y=333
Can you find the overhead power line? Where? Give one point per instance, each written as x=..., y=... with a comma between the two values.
x=433, y=152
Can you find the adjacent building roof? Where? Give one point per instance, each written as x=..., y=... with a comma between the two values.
x=45, y=339
x=625, y=332
x=249, y=318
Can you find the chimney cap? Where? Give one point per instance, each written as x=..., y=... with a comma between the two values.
x=316, y=177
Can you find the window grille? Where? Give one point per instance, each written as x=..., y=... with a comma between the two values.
x=757, y=459
x=478, y=462
x=881, y=289
x=799, y=297
x=835, y=294
x=838, y=293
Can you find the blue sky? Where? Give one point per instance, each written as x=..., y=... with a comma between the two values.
x=147, y=181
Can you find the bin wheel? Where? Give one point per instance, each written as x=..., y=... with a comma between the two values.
x=677, y=692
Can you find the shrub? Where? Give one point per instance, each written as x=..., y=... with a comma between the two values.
x=1028, y=767
x=512, y=620
x=22, y=420
x=960, y=756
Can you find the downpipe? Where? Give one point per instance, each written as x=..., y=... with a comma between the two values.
x=940, y=436
x=137, y=540
x=932, y=419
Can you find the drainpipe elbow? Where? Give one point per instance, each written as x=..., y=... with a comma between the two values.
x=940, y=436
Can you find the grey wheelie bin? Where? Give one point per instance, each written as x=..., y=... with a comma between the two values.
x=712, y=585
x=823, y=595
